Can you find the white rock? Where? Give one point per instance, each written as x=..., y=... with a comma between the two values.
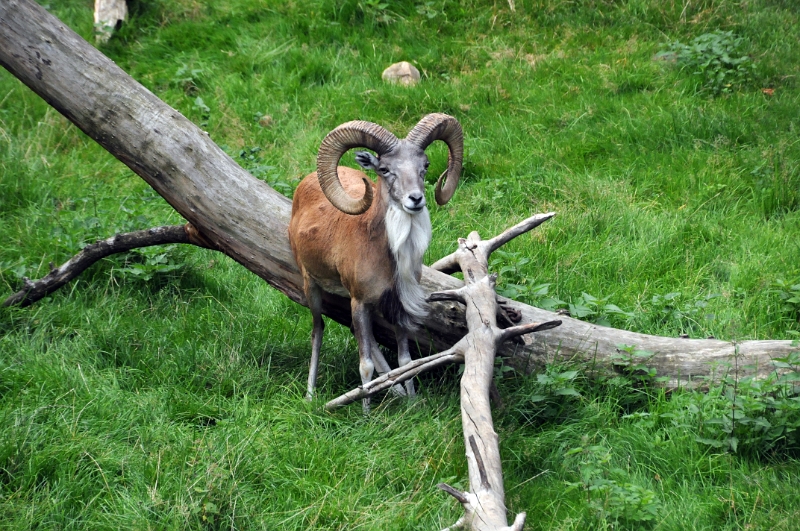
x=403, y=73
x=107, y=14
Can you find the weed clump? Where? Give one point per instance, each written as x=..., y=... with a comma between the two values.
x=716, y=58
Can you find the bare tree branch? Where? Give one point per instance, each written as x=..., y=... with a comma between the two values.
x=491, y=245
x=32, y=291
x=399, y=375
x=484, y=509
x=529, y=328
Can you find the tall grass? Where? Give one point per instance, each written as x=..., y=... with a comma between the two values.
x=176, y=401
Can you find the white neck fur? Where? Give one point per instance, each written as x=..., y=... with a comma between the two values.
x=409, y=236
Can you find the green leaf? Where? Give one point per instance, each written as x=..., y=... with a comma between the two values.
x=710, y=442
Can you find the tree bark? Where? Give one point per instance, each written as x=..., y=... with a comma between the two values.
x=247, y=220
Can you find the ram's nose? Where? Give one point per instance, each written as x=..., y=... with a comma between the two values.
x=415, y=201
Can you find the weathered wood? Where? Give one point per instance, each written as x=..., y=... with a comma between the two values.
x=484, y=504
x=247, y=220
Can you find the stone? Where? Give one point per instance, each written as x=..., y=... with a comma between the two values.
x=107, y=15
x=403, y=73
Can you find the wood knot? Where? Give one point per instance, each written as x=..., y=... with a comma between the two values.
x=197, y=238
x=513, y=314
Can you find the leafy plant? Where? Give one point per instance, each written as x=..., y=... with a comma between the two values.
x=187, y=78
x=516, y=285
x=379, y=12
x=789, y=295
x=13, y=270
x=597, y=310
x=716, y=58
x=633, y=363
x=145, y=263
x=203, y=109
x=753, y=416
x=550, y=397
x=428, y=10
x=675, y=309
x=632, y=388
x=607, y=491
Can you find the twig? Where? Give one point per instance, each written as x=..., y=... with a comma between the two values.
x=528, y=328
x=455, y=493
x=517, y=230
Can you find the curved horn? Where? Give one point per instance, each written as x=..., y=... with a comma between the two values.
x=345, y=137
x=446, y=128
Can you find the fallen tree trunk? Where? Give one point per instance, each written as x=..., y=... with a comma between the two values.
x=247, y=220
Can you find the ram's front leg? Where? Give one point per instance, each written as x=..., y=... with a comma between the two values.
x=362, y=329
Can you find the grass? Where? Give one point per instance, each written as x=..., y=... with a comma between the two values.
x=177, y=402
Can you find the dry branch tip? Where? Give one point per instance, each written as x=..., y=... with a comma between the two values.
x=454, y=492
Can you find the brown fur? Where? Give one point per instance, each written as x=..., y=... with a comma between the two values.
x=330, y=238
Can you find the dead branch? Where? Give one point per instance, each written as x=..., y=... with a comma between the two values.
x=33, y=290
x=484, y=505
x=398, y=376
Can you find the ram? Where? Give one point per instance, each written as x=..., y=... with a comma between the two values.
x=372, y=245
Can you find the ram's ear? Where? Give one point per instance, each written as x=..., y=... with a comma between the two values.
x=367, y=160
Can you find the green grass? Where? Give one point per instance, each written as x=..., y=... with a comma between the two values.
x=177, y=402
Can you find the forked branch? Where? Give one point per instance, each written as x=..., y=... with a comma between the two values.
x=484, y=505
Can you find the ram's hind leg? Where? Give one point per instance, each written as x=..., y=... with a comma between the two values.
x=404, y=356
x=314, y=299
x=382, y=366
x=362, y=328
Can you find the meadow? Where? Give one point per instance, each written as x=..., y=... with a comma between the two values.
x=164, y=389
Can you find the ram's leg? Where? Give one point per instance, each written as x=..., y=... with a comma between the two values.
x=362, y=328
x=404, y=356
x=314, y=298
x=382, y=366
